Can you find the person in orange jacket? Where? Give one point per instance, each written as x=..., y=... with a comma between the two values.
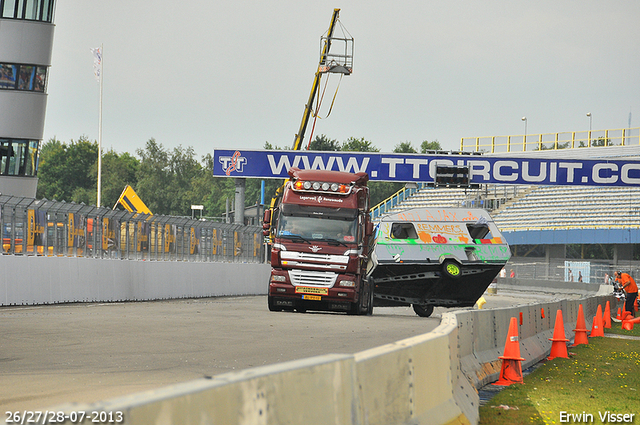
x=629, y=286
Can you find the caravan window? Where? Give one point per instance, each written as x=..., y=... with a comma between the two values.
x=479, y=231
x=403, y=231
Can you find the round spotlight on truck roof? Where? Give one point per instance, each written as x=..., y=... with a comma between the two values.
x=307, y=185
x=316, y=185
x=325, y=186
x=334, y=187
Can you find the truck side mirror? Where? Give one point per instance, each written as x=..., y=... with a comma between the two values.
x=266, y=219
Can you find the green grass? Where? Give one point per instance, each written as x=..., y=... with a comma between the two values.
x=616, y=328
x=601, y=376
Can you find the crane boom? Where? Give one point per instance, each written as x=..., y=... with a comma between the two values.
x=327, y=63
x=316, y=82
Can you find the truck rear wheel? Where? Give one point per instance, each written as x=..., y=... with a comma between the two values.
x=423, y=310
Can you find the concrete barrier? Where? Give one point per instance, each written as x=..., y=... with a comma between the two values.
x=552, y=286
x=27, y=280
x=415, y=380
x=428, y=379
x=309, y=391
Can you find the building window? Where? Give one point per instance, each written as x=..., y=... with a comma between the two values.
x=31, y=10
x=23, y=77
x=18, y=157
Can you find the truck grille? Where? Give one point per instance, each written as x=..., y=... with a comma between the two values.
x=312, y=278
x=321, y=258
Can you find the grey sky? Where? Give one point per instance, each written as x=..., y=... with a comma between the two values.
x=238, y=73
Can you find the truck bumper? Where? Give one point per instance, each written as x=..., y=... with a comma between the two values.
x=285, y=295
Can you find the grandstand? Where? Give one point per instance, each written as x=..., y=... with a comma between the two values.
x=551, y=227
x=571, y=207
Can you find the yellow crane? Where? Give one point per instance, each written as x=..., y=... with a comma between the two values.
x=338, y=60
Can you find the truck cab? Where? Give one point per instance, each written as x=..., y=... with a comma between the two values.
x=321, y=234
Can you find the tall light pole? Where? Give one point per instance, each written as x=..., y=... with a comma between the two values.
x=524, y=138
x=590, y=118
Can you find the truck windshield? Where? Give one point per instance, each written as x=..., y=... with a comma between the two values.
x=343, y=230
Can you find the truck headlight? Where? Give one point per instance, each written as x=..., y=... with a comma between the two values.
x=278, y=278
x=349, y=283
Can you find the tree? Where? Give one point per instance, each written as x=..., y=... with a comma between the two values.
x=404, y=147
x=185, y=169
x=269, y=146
x=66, y=171
x=323, y=143
x=155, y=180
x=51, y=161
x=358, y=145
x=430, y=146
x=118, y=171
x=601, y=141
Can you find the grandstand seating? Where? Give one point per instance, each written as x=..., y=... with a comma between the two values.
x=489, y=197
x=567, y=207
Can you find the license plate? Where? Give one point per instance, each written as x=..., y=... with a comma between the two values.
x=312, y=297
x=308, y=290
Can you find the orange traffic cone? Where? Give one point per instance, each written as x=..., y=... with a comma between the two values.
x=626, y=315
x=559, y=345
x=607, y=316
x=619, y=315
x=581, y=329
x=627, y=325
x=596, y=328
x=511, y=372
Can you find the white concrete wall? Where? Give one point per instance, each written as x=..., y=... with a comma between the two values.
x=26, y=280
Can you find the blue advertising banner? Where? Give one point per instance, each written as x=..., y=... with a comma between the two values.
x=274, y=164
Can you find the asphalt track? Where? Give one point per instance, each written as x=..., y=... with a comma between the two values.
x=50, y=355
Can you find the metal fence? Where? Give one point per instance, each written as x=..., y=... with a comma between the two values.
x=563, y=140
x=394, y=200
x=50, y=228
x=571, y=270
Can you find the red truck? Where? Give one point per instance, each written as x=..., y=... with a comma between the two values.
x=320, y=232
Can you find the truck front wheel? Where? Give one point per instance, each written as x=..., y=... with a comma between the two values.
x=370, y=305
x=364, y=306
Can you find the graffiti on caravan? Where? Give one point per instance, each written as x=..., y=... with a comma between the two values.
x=274, y=164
